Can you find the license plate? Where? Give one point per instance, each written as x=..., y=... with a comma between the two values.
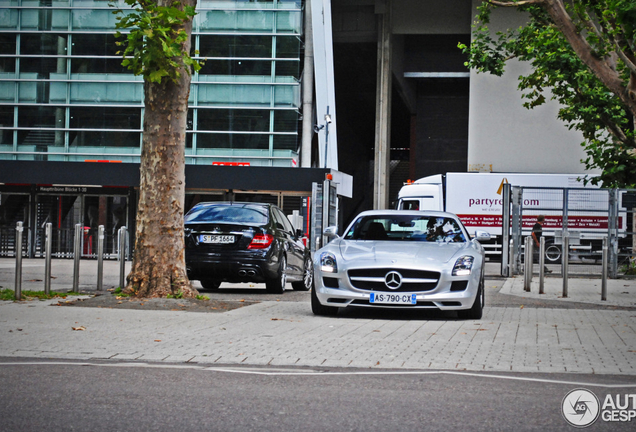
x=388, y=298
x=216, y=239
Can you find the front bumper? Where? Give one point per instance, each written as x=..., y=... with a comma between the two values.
x=335, y=289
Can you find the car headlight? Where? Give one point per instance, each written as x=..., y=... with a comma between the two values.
x=463, y=266
x=328, y=262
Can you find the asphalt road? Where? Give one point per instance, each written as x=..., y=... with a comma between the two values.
x=98, y=396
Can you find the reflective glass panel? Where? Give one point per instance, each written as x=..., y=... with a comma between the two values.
x=105, y=118
x=100, y=141
x=235, y=46
x=233, y=120
x=237, y=141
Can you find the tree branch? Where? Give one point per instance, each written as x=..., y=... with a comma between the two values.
x=623, y=48
x=585, y=52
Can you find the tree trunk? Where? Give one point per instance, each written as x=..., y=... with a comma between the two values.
x=159, y=262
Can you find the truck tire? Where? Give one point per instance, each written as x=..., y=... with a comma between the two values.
x=552, y=254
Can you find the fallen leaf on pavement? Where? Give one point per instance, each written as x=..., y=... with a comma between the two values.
x=80, y=328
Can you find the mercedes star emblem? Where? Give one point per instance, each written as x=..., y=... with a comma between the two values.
x=393, y=280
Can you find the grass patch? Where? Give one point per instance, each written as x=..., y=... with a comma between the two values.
x=629, y=269
x=177, y=295
x=120, y=293
x=9, y=295
x=202, y=297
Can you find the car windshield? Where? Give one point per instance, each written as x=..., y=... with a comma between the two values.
x=218, y=213
x=406, y=228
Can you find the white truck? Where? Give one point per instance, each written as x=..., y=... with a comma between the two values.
x=477, y=199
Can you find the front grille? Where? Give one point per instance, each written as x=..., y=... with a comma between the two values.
x=412, y=280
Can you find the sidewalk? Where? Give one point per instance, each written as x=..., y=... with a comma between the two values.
x=286, y=333
x=61, y=274
x=620, y=292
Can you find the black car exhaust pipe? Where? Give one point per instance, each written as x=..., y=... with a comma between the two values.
x=251, y=272
x=242, y=273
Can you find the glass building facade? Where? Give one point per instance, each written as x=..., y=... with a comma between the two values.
x=64, y=95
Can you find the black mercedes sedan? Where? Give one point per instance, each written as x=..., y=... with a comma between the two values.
x=245, y=242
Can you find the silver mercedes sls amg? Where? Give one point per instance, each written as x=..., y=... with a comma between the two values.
x=401, y=259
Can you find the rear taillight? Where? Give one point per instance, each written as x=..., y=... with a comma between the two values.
x=261, y=241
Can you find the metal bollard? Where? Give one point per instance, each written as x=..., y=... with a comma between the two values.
x=122, y=257
x=100, y=258
x=47, y=257
x=542, y=265
x=565, y=257
x=77, y=254
x=512, y=266
x=604, y=271
x=527, y=276
x=18, y=261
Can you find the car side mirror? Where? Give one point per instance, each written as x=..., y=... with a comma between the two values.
x=331, y=232
x=299, y=233
x=481, y=236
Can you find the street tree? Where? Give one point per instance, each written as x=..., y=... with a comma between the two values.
x=157, y=46
x=584, y=53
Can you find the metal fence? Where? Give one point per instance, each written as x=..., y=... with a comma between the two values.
x=62, y=243
x=577, y=220
x=79, y=250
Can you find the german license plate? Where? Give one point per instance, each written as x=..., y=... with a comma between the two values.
x=216, y=239
x=389, y=298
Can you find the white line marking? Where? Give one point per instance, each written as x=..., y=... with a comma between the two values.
x=310, y=372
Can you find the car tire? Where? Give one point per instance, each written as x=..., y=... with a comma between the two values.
x=477, y=309
x=319, y=309
x=277, y=285
x=308, y=277
x=210, y=284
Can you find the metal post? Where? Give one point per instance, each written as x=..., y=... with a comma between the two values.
x=605, y=270
x=327, y=121
x=527, y=279
x=530, y=261
x=505, y=231
x=122, y=257
x=612, y=247
x=511, y=257
x=100, y=258
x=541, y=265
x=516, y=228
x=77, y=254
x=18, y=261
x=565, y=261
x=47, y=258
x=326, y=191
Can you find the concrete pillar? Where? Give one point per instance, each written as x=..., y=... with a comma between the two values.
x=308, y=91
x=383, y=108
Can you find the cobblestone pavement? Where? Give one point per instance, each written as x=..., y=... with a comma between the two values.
x=587, y=338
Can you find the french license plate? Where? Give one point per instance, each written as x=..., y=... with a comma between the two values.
x=216, y=239
x=388, y=298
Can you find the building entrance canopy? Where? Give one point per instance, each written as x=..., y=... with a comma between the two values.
x=279, y=179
